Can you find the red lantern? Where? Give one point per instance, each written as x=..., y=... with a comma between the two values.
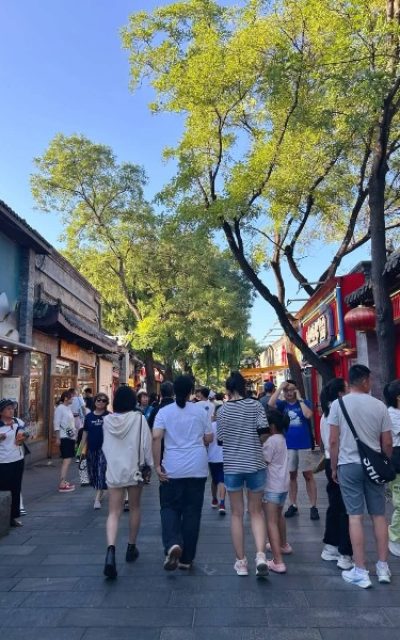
x=361, y=318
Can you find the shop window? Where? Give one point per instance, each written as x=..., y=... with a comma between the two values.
x=87, y=378
x=37, y=386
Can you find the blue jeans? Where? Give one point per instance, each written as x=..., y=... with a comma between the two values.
x=181, y=502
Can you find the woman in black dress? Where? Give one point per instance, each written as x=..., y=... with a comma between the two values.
x=93, y=437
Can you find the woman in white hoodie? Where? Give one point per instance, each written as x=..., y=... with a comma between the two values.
x=126, y=446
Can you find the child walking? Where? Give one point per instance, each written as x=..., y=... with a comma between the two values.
x=276, y=488
x=216, y=466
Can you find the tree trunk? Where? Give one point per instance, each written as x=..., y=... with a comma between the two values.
x=323, y=367
x=385, y=329
x=149, y=365
x=169, y=372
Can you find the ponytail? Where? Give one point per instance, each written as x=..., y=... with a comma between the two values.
x=183, y=386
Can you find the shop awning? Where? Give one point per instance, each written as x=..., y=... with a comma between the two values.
x=57, y=320
x=256, y=372
x=14, y=345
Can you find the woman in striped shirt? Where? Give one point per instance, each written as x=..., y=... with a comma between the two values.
x=237, y=424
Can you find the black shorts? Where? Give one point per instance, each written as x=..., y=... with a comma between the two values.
x=217, y=471
x=67, y=448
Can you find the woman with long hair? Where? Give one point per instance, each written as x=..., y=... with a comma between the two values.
x=126, y=446
x=93, y=438
x=244, y=467
x=391, y=393
x=185, y=429
x=336, y=538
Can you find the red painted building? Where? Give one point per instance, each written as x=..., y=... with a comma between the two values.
x=323, y=329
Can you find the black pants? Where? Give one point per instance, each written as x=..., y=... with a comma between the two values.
x=337, y=520
x=11, y=480
x=181, y=502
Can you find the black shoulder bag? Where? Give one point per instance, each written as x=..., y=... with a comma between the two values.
x=376, y=465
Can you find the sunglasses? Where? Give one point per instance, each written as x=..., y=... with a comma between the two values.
x=101, y=400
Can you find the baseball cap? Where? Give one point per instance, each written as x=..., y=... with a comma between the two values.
x=6, y=402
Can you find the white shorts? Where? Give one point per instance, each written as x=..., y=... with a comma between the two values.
x=300, y=460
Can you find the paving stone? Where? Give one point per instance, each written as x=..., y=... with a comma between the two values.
x=118, y=617
x=22, y=633
x=6, y=584
x=46, y=584
x=385, y=633
x=354, y=597
x=228, y=633
x=132, y=598
x=135, y=633
x=11, y=599
x=14, y=550
x=393, y=614
x=327, y=617
x=238, y=599
x=64, y=571
x=32, y=618
x=59, y=599
x=230, y=617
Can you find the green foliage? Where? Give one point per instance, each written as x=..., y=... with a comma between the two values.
x=164, y=283
x=280, y=100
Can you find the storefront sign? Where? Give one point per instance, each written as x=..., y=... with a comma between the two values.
x=11, y=388
x=320, y=331
x=73, y=352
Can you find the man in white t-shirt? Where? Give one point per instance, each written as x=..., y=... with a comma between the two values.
x=372, y=424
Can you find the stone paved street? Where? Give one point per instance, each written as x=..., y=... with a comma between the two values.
x=51, y=584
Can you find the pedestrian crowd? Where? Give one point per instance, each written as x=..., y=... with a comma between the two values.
x=253, y=449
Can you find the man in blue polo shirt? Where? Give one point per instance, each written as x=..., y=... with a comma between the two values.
x=299, y=442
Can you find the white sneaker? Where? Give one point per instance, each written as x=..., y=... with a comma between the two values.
x=345, y=562
x=261, y=565
x=241, y=567
x=359, y=577
x=394, y=547
x=383, y=573
x=97, y=504
x=330, y=553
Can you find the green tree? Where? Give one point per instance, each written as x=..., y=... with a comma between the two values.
x=164, y=284
x=283, y=108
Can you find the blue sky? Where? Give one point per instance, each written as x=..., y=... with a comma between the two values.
x=62, y=69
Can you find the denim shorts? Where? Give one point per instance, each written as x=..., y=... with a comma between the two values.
x=275, y=498
x=254, y=481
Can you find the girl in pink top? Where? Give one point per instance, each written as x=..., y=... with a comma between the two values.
x=276, y=488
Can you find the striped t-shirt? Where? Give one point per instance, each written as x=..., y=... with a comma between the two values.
x=237, y=423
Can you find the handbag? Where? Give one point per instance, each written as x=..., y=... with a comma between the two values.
x=144, y=469
x=376, y=465
x=83, y=472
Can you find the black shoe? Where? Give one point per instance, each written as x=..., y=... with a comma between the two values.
x=314, y=515
x=132, y=553
x=292, y=511
x=126, y=505
x=110, y=569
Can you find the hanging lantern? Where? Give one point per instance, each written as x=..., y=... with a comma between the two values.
x=361, y=318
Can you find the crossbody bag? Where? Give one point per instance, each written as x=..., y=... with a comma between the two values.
x=376, y=465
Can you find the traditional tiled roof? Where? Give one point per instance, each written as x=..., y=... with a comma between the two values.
x=363, y=295
x=48, y=316
x=13, y=221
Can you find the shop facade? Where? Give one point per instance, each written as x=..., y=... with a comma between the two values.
x=323, y=328
x=50, y=333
